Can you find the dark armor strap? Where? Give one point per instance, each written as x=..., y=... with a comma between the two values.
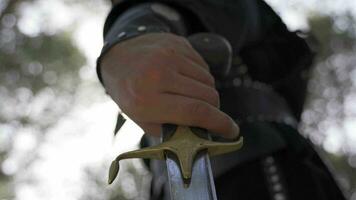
x=251, y=101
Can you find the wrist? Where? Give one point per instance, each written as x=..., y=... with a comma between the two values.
x=138, y=20
x=124, y=35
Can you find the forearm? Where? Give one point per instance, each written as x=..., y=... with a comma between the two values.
x=138, y=20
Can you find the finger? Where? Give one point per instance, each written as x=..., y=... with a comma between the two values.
x=187, y=111
x=189, y=52
x=191, y=69
x=182, y=85
x=196, y=57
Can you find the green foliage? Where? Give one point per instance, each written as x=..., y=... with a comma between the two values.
x=331, y=38
x=36, y=69
x=330, y=90
x=40, y=62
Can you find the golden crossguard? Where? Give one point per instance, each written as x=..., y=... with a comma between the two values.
x=185, y=144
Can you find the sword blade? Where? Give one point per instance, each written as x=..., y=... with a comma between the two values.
x=201, y=185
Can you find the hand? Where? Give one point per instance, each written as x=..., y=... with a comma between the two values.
x=159, y=78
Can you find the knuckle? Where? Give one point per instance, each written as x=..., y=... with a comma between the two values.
x=180, y=39
x=211, y=79
x=184, y=41
x=176, y=39
x=206, y=67
x=172, y=37
x=208, y=79
x=214, y=96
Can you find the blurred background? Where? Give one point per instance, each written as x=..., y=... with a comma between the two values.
x=56, y=123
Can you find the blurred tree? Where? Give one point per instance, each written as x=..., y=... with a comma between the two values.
x=38, y=76
x=133, y=183
x=330, y=106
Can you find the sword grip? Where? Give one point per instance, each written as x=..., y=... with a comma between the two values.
x=215, y=50
x=169, y=129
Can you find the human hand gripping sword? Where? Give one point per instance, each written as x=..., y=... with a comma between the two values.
x=186, y=150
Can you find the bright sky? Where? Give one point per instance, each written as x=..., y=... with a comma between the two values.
x=69, y=147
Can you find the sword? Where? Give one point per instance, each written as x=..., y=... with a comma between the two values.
x=201, y=184
x=186, y=150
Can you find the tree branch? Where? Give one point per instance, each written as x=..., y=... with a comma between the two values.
x=10, y=7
